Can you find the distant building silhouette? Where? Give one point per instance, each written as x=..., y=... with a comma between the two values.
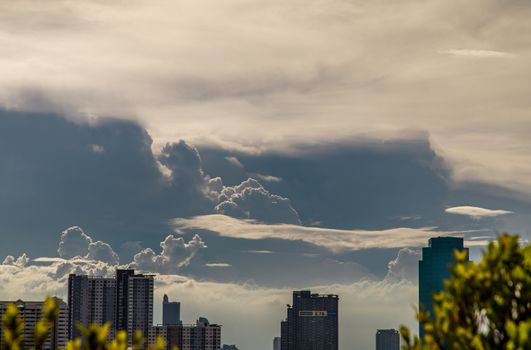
x=90, y=300
x=387, y=339
x=229, y=347
x=276, y=343
x=171, y=312
x=312, y=322
x=30, y=312
x=434, y=269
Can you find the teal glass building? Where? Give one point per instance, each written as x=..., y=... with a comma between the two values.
x=434, y=269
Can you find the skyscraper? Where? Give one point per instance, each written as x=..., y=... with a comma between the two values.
x=122, y=280
x=126, y=301
x=387, y=339
x=90, y=300
x=434, y=269
x=312, y=322
x=171, y=312
x=30, y=312
x=139, y=304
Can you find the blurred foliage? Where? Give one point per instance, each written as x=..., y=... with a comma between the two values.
x=484, y=306
x=94, y=337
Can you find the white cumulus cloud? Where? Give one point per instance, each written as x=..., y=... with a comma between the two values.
x=102, y=251
x=405, y=265
x=74, y=242
x=175, y=254
x=250, y=200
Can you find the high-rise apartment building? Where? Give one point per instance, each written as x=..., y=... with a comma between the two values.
x=312, y=322
x=171, y=312
x=139, y=304
x=125, y=301
x=387, y=339
x=30, y=312
x=434, y=269
x=90, y=300
x=121, y=304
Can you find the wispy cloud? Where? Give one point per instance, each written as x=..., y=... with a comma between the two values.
x=218, y=265
x=477, y=53
x=267, y=178
x=333, y=239
x=477, y=212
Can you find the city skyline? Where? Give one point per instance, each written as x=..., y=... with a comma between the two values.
x=126, y=303
x=240, y=150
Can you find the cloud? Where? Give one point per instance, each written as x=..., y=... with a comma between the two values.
x=234, y=161
x=259, y=251
x=344, y=71
x=74, y=242
x=99, y=149
x=250, y=200
x=268, y=178
x=405, y=265
x=218, y=265
x=80, y=255
x=378, y=181
x=124, y=194
x=102, y=252
x=477, y=53
x=175, y=254
x=333, y=239
x=21, y=261
x=44, y=259
x=477, y=212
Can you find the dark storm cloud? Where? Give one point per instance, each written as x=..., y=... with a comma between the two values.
x=370, y=185
x=105, y=178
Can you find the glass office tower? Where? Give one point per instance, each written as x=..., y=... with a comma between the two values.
x=312, y=322
x=434, y=269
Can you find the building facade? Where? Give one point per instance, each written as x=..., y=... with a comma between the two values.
x=125, y=301
x=90, y=300
x=276, y=343
x=200, y=336
x=122, y=298
x=387, y=339
x=171, y=312
x=158, y=331
x=434, y=269
x=30, y=312
x=139, y=304
x=311, y=323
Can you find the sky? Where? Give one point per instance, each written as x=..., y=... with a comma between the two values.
x=241, y=150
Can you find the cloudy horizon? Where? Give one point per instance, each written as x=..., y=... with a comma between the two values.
x=244, y=149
